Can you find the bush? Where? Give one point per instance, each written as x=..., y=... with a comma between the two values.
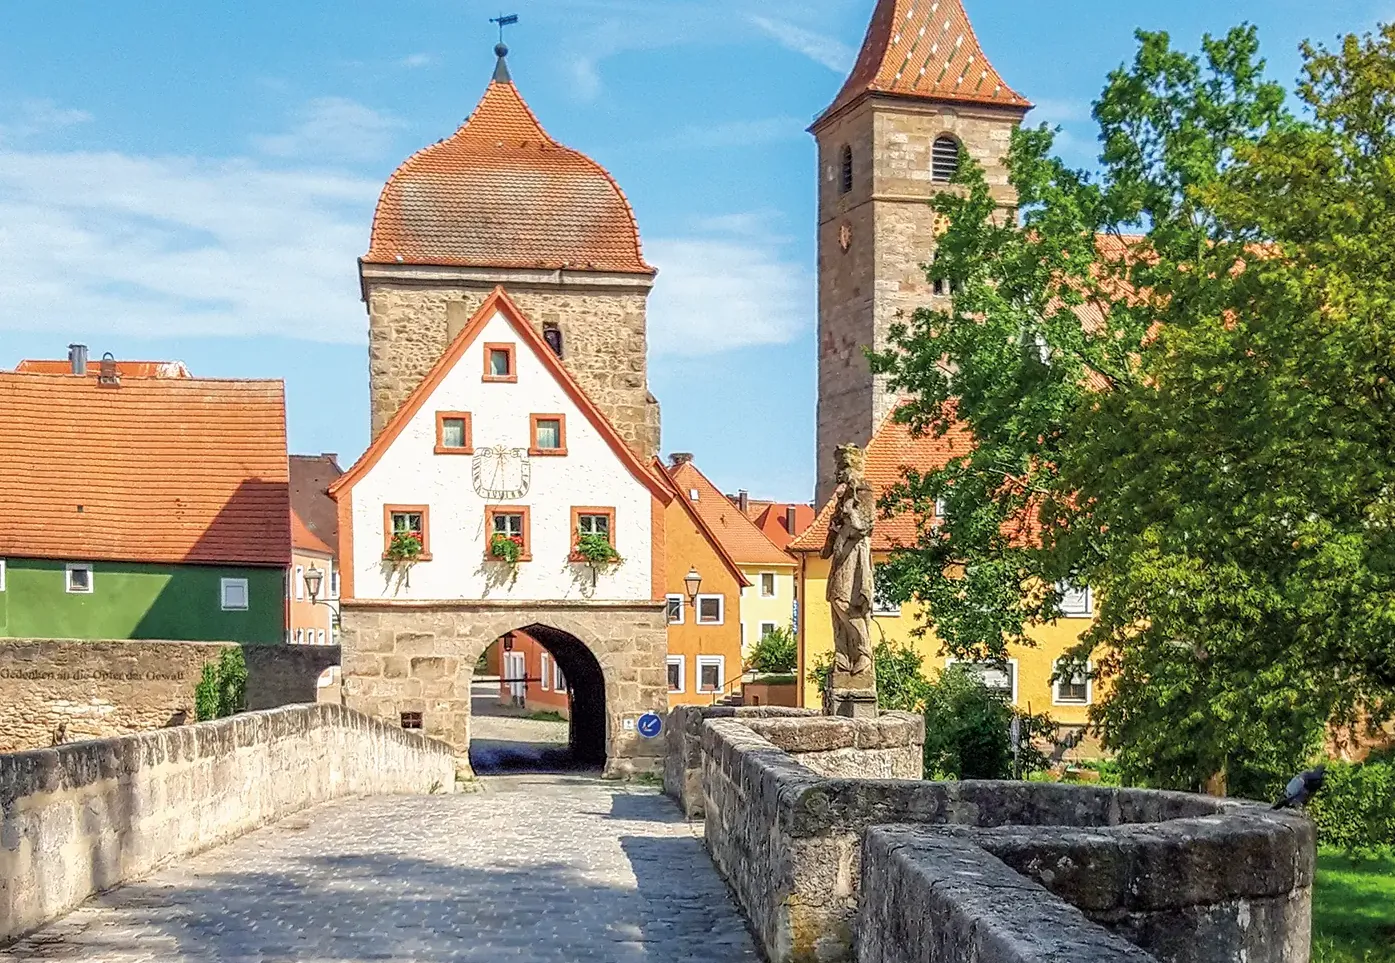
x=1355, y=811
x=776, y=652
x=968, y=730
x=900, y=683
x=222, y=688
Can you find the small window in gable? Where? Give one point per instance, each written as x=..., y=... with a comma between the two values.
x=944, y=159
x=548, y=435
x=552, y=334
x=453, y=433
x=847, y=178
x=234, y=594
x=79, y=578
x=499, y=362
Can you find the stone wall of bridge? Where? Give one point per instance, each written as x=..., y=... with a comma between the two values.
x=889, y=870
x=84, y=817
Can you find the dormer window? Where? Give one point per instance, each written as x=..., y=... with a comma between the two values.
x=499, y=363
x=944, y=159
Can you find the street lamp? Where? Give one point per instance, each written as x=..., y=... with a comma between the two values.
x=314, y=581
x=693, y=583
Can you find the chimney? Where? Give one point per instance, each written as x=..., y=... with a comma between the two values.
x=743, y=501
x=77, y=358
x=107, y=375
x=680, y=458
x=790, y=514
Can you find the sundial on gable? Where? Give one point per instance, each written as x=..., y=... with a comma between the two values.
x=501, y=474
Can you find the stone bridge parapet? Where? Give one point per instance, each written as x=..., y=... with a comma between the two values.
x=834, y=869
x=86, y=816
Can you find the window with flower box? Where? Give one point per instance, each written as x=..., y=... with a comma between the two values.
x=509, y=522
x=403, y=525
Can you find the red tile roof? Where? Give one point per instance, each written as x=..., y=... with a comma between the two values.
x=738, y=534
x=311, y=476
x=126, y=369
x=304, y=540
x=925, y=49
x=773, y=521
x=891, y=452
x=160, y=470
x=501, y=193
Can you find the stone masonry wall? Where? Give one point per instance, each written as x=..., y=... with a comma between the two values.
x=603, y=330
x=683, y=747
x=66, y=691
x=420, y=657
x=85, y=817
x=880, y=278
x=1187, y=878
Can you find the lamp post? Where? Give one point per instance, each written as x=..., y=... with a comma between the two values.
x=314, y=581
x=693, y=583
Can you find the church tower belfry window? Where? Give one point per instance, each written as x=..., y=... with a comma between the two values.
x=846, y=182
x=944, y=159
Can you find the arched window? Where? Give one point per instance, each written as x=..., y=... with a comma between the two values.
x=944, y=159
x=552, y=334
x=847, y=168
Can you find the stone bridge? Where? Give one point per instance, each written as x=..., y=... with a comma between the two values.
x=314, y=833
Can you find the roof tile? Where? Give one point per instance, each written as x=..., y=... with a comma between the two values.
x=738, y=534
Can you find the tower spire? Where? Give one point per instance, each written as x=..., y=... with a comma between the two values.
x=501, y=49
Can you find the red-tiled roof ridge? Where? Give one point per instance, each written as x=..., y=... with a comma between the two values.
x=905, y=35
x=702, y=525
x=154, y=470
x=746, y=543
x=126, y=369
x=504, y=135
x=499, y=302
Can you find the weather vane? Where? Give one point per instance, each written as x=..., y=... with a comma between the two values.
x=504, y=20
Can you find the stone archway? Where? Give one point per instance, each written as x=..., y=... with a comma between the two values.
x=413, y=664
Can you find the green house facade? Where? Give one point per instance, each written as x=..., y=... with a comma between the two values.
x=102, y=600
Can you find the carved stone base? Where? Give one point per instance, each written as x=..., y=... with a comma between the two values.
x=854, y=703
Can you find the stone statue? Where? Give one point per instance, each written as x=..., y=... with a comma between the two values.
x=850, y=589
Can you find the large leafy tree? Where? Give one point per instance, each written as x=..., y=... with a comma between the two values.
x=1178, y=374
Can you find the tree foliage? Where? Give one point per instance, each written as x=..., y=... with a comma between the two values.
x=776, y=653
x=222, y=687
x=1177, y=373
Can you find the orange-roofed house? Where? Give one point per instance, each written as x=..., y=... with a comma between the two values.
x=142, y=507
x=922, y=93
x=1027, y=678
x=768, y=601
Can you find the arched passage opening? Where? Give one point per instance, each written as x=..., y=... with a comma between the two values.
x=544, y=673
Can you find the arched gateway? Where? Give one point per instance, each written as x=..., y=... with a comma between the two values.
x=420, y=661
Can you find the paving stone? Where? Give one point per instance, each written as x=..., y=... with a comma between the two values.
x=535, y=869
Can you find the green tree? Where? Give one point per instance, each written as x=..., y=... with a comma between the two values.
x=968, y=729
x=222, y=688
x=776, y=653
x=1178, y=377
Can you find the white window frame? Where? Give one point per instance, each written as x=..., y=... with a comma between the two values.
x=681, y=606
x=227, y=583
x=2, y=575
x=1076, y=612
x=544, y=676
x=559, y=679
x=774, y=585
x=1012, y=664
x=682, y=663
x=299, y=636
x=720, y=661
x=333, y=581
x=319, y=636
x=72, y=567
x=300, y=583
x=1056, y=699
x=774, y=627
x=721, y=610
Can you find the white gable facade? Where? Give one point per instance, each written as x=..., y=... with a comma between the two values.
x=456, y=492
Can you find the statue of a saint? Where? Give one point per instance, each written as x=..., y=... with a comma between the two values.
x=850, y=588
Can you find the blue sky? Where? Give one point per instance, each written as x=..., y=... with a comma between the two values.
x=195, y=181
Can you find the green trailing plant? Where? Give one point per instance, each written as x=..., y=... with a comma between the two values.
x=596, y=549
x=776, y=653
x=405, y=547
x=222, y=687
x=505, y=548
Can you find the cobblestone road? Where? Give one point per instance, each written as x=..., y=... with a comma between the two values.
x=536, y=868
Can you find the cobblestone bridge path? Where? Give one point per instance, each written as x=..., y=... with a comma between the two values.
x=534, y=868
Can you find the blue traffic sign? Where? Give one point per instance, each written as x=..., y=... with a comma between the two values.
x=650, y=725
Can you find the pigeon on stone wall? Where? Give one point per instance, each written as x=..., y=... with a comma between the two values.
x=1302, y=787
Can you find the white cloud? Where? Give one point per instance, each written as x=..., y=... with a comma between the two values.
x=331, y=130
x=736, y=133
x=820, y=48
x=31, y=118
x=161, y=246
x=718, y=294
x=417, y=60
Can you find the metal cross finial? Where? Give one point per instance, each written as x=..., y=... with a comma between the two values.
x=504, y=20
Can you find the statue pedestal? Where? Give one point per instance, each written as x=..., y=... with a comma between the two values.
x=854, y=703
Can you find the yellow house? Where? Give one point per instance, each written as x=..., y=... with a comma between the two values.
x=767, y=603
x=1027, y=679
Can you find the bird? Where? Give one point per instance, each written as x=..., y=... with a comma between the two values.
x=1302, y=787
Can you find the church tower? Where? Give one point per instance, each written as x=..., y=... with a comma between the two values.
x=921, y=88
x=500, y=202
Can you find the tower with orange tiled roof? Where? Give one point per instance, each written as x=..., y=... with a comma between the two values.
x=922, y=87
x=500, y=202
